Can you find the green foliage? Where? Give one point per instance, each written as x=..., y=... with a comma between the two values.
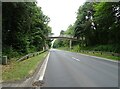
x=63, y=42
x=76, y=48
x=10, y=52
x=70, y=30
x=97, y=27
x=60, y=43
x=21, y=70
x=25, y=28
x=107, y=48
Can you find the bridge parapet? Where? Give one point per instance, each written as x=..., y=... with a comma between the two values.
x=65, y=36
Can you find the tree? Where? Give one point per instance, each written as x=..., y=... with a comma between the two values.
x=97, y=23
x=25, y=28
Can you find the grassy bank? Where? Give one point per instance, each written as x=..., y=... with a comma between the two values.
x=98, y=54
x=23, y=69
x=104, y=55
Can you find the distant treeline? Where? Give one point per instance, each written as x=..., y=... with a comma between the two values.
x=24, y=28
x=97, y=26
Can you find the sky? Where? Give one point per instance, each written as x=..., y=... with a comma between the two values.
x=62, y=13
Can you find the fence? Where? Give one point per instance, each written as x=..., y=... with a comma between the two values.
x=5, y=60
x=30, y=55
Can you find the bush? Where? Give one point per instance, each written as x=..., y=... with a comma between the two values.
x=107, y=48
x=76, y=48
x=10, y=52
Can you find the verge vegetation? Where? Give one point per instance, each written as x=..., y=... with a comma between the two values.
x=107, y=55
x=23, y=69
x=97, y=28
x=24, y=29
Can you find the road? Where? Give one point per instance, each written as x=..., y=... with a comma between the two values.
x=68, y=69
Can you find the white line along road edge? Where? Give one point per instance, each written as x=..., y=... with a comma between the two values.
x=41, y=73
x=99, y=58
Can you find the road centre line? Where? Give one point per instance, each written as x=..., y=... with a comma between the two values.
x=76, y=59
x=107, y=59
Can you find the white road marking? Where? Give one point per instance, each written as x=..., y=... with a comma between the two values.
x=99, y=58
x=76, y=59
x=43, y=68
x=107, y=59
x=41, y=73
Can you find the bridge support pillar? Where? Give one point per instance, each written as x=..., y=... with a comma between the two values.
x=70, y=44
x=43, y=48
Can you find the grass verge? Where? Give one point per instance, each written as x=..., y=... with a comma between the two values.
x=23, y=69
x=104, y=55
x=98, y=54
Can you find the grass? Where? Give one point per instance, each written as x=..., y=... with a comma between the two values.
x=98, y=54
x=104, y=55
x=23, y=69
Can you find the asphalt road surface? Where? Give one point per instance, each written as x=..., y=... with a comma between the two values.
x=68, y=69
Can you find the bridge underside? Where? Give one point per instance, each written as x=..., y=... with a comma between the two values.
x=74, y=39
x=68, y=38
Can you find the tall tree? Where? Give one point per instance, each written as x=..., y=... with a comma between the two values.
x=25, y=27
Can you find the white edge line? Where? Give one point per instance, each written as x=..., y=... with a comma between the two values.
x=39, y=81
x=43, y=68
x=99, y=57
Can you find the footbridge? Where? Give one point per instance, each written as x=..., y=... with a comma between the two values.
x=69, y=37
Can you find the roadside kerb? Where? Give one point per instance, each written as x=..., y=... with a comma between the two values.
x=39, y=81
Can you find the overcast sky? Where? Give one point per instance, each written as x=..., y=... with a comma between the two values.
x=62, y=13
